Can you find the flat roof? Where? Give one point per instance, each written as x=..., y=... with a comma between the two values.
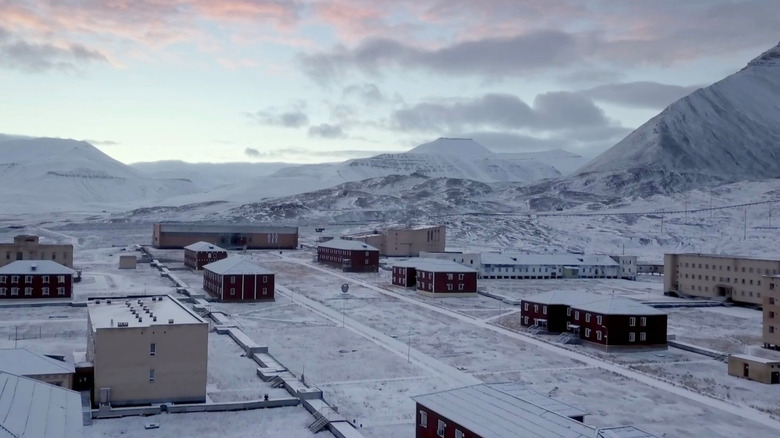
x=490, y=412
x=237, y=265
x=548, y=259
x=434, y=265
x=42, y=267
x=110, y=312
x=33, y=409
x=723, y=256
x=204, y=246
x=523, y=392
x=188, y=227
x=756, y=358
x=603, y=304
x=562, y=297
x=23, y=362
x=347, y=244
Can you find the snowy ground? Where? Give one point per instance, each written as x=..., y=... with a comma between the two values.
x=372, y=349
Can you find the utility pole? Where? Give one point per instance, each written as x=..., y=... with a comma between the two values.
x=409, y=347
x=710, y=203
x=686, y=212
x=745, y=234
x=662, y=221
x=770, y=215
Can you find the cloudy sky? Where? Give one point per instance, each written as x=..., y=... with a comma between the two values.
x=311, y=81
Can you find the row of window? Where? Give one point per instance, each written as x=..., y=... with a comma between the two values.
x=707, y=289
x=233, y=291
x=233, y=279
x=338, y=251
x=20, y=256
x=28, y=291
x=441, y=426
x=728, y=279
x=728, y=268
x=631, y=320
x=29, y=278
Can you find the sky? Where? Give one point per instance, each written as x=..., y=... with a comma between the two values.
x=313, y=81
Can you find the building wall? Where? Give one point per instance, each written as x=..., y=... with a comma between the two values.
x=197, y=259
x=404, y=276
x=409, y=242
x=36, y=286
x=430, y=431
x=128, y=262
x=544, y=272
x=471, y=260
x=628, y=266
x=706, y=276
x=64, y=380
x=239, y=287
x=617, y=329
x=359, y=260
x=446, y=282
x=28, y=248
x=122, y=361
x=555, y=314
x=758, y=371
x=172, y=240
x=771, y=313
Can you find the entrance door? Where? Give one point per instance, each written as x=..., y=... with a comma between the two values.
x=745, y=370
x=775, y=377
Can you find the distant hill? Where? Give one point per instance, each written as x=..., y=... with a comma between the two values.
x=58, y=172
x=727, y=132
x=207, y=176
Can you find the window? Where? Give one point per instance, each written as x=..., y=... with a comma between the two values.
x=587, y=332
x=598, y=319
x=771, y=329
x=576, y=315
x=461, y=287
x=45, y=291
x=460, y=276
x=544, y=310
x=631, y=337
x=525, y=306
x=232, y=278
x=568, y=311
x=643, y=321
x=28, y=291
x=423, y=419
x=458, y=434
x=45, y=279
x=598, y=335
x=265, y=291
x=232, y=291
x=151, y=375
x=60, y=291
x=587, y=317
x=536, y=308
x=152, y=349
x=449, y=287
x=632, y=321
x=61, y=279
x=2, y=279
x=14, y=279
x=526, y=320
x=450, y=276
x=28, y=278
x=265, y=279
x=643, y=336
x=3, y=291
x=366, y=253
x=14, y=291
x=441, y=428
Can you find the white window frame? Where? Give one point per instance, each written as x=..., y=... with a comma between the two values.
x=152, y=376
x=423, y=419
x=587, y=332
x=599, y=319
x=643, y=321
x=61, y=279
x=152, y=349
x=461, y=287
x=60, y=290
x=587, y=317
x=14, y=291
x=3, y=291
x=631, y=337
x=598, y=335
x=459, y=434
x=544, y=310
x=450, y=277
x=441, y=429
x=632, y=321
x=45, y=291
x=232, y=291
x=28, y=278
x=2, y=279
x=460, y=276
x=45, y=279
x=642, y=336
x=28, y=291
x=449, y=287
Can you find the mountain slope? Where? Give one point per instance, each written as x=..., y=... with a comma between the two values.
x=729, y=131
x=207, y=176
x=61, y=172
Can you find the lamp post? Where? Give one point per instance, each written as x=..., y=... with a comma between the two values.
x=344, y=290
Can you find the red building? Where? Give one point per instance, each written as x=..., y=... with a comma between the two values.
x=35, y=279
x=598, y=319
x=238, y=279
x=435, y=277
x=349, y=255
x=505, y=410
x=202, y=253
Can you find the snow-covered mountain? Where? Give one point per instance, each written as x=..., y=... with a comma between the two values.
x=729, y=131
x=59, y=172
x=442, y=158
x=207, y=176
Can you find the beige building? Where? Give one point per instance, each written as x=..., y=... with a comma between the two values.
x=29, y=248
x=149, y=349
x=405, y=242
x=755, y=368
x=771, y=309
x=741, y=279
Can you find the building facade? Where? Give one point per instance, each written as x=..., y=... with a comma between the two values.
x=348, y=255
x=628, y=266
x=238, y=279
x=179, y=235
x=33, y=279
x=29, y=248
x=27, y=363
x=471, y=260
x=434, y=277
x=597, y=319
x=405, y=242
x=755, y=368
x=739, y=279
x=771, y=312
x=547, y=266
x=145, y=350
x=200, y=254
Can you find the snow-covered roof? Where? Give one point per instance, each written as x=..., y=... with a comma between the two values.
x=183, y=227
x=491, y=412
x=347, y=244
x=110, y=312
x=43, y=267
x=548, y=259
x=23, y=362
x=33, y=409
x=237, y=265
x=726, y=256
x=522, y=392
x=434, y=265
x=617, y=306
x=763, y=360
x=203, y=246
x=562, y=297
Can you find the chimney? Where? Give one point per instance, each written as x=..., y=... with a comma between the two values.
x=33, y=267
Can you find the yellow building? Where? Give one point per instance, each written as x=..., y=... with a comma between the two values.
x=29, y=248
x=755, y=368
x=771, y=310
x=149, y=349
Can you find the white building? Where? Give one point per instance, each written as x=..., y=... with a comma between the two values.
x=628, y=266
x=472, y=260
x=547, y=266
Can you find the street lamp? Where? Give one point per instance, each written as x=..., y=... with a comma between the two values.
x=344, y=290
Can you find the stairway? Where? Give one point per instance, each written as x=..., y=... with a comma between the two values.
x=319, y=424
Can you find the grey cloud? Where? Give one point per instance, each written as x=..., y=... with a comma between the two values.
x=490, y=56
x=551, y=111
x=367, y=93
x=251, y=152
x=325, y=130
x=39, y=57
x=293, y=117
x=651, y=95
